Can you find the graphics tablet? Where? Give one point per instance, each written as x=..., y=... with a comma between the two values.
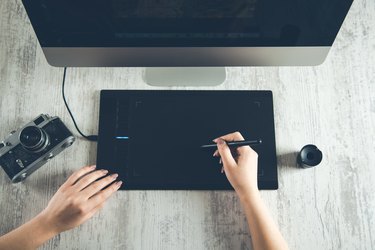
x=152, y=139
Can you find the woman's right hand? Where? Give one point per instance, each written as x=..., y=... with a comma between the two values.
x=240, y=164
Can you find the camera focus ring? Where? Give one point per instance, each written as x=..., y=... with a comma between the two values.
x=33, y=138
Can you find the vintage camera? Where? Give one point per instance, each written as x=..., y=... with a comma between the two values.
x=27, y=149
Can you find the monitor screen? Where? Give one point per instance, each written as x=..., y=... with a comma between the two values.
x=190, y=23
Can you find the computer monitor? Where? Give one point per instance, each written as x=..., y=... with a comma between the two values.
x=186, y=33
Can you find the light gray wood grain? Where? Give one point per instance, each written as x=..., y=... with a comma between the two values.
x=332, y=105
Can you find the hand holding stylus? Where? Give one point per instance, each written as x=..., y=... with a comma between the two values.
x=241, y=166
x=233, y=144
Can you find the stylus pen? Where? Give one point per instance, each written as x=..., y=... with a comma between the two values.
x=236, y=143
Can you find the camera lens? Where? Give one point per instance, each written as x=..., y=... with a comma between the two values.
x=33, y=138
x=309, y=156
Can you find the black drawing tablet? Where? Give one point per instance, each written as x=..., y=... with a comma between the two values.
x=152, y=139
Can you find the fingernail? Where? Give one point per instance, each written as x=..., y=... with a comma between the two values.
x=104, y=171
x=114, y=176
x=119, y=183
x=220, y=141
x=215, y=140
x=93, y=167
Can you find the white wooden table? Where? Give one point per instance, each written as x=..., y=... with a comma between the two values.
x=332, y=105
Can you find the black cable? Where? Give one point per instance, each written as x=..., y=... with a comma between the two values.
x=88, y=137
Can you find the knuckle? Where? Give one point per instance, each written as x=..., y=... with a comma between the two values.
x=81, y=209
x=91, y=177
x=107, y=180
x=73, y=176
x=100, y=173
x=102, y=196
x=113, y=188
x=75, y=202
x=69, y=200
x=96, y=185
x=78, y=206
x=253, y=154
x=86, y=168
x=63, y=190
x=81, y=171
x=237, y=134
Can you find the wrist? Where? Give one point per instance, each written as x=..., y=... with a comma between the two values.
x=48, y=227
x=248, y=194
x=32, y=234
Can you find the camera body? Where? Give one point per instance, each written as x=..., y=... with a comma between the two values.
x=30, y=147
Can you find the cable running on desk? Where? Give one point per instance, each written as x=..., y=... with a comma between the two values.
x=87, y=137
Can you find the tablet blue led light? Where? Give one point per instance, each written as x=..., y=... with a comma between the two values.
x=122, y=137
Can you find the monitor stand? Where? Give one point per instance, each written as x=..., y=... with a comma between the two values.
x=185, y=76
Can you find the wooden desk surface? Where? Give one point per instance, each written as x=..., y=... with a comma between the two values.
x=332, y=105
